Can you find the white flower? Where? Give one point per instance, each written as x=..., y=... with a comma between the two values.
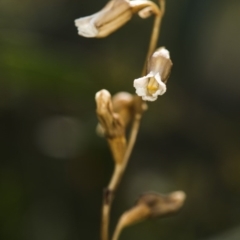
x=113, y=16
x=150, y=86
x=153, y=84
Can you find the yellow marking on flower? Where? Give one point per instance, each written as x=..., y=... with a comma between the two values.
x=152, y=86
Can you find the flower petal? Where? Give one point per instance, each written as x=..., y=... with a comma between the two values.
x=140, y=82
x=149, y=98
x=162, y=86
x=141, y=86
x=86, y=26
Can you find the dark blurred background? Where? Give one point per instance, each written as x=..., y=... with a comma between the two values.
x=53, y=166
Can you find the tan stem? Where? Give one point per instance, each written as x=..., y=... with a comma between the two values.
x=162, y=6
x=155, y=34
x=107, y=201
x=120, y=168
x=133, y=216
x=117, y=232
x=105, y=221
x=118, y=146
x=116, y=178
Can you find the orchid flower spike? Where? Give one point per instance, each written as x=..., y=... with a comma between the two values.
x=114, y=15
x=154, y=83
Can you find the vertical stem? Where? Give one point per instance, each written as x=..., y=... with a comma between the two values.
x=155, y=34
x=105, y=221
x=162, y=4
x=117, y=232
x=120, y=168
x=115, y=180
x=108, y=197
x=132, y=139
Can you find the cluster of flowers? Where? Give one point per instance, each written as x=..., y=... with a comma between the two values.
x=114, y=15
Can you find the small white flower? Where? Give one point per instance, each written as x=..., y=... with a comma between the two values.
x=113, y=16
x=153, y=84
x=150, y=86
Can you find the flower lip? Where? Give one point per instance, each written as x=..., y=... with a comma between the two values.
x=149, y=87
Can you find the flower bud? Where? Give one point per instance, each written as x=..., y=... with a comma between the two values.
x=123, y=105
x=150, y=205
x=114, y=15
x=114, y=114
x=162, y=205
x=154, y=83
x=153, y=205
x=109, y=120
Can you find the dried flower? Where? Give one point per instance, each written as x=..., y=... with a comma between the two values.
x=154, y=83
x=123, y=105
x=162, y=205
x=110, y=121
x=155, y=205
x=114, y=114
x=114, y=15
x=151, y=205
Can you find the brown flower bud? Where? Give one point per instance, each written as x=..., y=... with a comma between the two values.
x=153, y=205
x=107, y=119
x=114, y=114
x=114, y=15
x=150, y=205
x=123, y=105
x=162, y=205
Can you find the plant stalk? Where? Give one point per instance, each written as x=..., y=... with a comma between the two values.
x=120, y=168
